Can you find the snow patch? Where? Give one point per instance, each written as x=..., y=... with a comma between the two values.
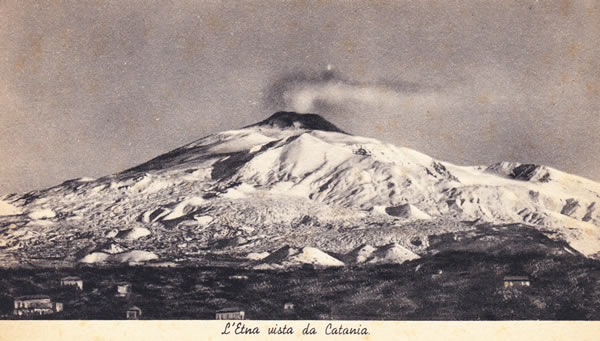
x=112, y=233
x=156, y=186
x=237, y=141
x=257, y=255
x=203, y=219
x=239, y=192
x=40, y=223
x=407, y=211
x=8, y=209
x=392, y=253
x=95, y=257
x=135, y=256
x=290, y=257
x=180, y=209
x=134, y=233
x=311, y=255
x=44, y=213
x=98, y=188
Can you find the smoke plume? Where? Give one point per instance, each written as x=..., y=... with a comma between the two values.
x=329, y=91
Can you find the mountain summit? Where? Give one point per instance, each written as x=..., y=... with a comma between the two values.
x=287, y=119
x=297, y=180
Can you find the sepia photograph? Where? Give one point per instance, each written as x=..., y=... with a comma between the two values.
x=300, y=160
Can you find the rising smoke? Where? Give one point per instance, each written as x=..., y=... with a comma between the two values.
x=330, y=91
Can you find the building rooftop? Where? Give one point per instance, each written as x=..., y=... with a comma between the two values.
x=32, y=297
x=70, y=278
x=229, y=310
x=516, y=278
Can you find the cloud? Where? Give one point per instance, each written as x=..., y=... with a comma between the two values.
x=321, y=92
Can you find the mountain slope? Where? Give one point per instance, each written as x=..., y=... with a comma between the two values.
x=295, y=180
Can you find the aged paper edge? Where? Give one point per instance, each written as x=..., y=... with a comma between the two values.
x=378, y=330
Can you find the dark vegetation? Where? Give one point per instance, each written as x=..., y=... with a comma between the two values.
x=451, y=285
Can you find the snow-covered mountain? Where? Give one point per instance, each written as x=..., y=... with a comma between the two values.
x=292, y=179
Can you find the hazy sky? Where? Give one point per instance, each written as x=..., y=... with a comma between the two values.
x=89, y=88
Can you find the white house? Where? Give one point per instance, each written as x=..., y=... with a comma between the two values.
x=36, y=305
x=133, y=313
x=123, y=289
x=71, y=281
x=515, y=281
x=230, y=314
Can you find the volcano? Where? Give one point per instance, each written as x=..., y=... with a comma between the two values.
x=298, y=181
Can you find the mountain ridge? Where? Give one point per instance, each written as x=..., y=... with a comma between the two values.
x=290, y=180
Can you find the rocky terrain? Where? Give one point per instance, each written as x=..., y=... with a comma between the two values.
x=293, y=190
x=458, y=277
